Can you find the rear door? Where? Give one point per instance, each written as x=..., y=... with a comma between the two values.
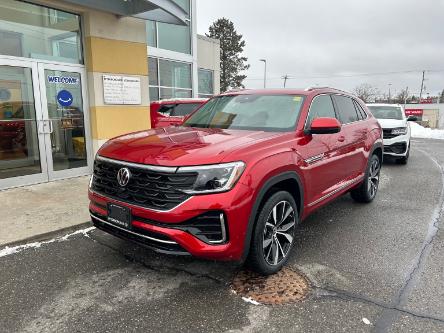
x=354, y=133
x=322, y=154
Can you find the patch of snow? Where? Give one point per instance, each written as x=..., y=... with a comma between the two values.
x=35, y=245
x=426, y=133
x=250, y=300
x=366, y=321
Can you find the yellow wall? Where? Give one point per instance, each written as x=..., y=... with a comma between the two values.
x=116, y=56
x=111, y=121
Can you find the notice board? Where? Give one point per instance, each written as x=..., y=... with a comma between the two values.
x=122, y=90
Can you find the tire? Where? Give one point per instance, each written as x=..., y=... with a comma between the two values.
x=367, y=191
x=405, y=159
x=273, y=235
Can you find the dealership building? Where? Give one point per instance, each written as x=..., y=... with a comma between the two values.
x=75, y=73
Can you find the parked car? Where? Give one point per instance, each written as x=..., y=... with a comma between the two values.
x=169, y=112
x=235, y=180
x=396, y=130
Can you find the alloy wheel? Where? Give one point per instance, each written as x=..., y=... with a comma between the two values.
x=279, y=233
x=373, y=178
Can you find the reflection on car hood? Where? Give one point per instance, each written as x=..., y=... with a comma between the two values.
x=179, y=146
x=392, y=123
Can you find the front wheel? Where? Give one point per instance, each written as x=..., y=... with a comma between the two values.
x=366, y=192
x=404, y=159
x=273, y=235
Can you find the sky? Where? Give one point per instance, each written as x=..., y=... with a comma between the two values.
x=333, y=43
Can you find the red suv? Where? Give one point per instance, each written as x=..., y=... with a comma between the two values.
x=235, y=180
x=169, y=112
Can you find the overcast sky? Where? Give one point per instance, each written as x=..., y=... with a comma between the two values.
x=324, y=41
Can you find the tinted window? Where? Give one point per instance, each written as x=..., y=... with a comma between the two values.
x=346, y=109
x=249, y=112
x=184, y=109
x=361, y=113
x=166, y=109
x=321, y=107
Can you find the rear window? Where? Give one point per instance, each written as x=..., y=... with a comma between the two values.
x=178, y=110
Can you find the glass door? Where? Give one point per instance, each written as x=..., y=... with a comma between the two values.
x=22, y=128
x=65, y=111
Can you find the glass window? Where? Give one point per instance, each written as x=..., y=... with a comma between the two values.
x=151, y=33
x=206, y=83
x=153, y=72
x=346, y=109
x=170, y=36
x=361, y=113
x=386, y=112
x=19, y=148
x=169, y=79
x=167, y=93
x=33, y=31
x=174, y=74
x=321, y=107
x=249, y=112
x=182, y=110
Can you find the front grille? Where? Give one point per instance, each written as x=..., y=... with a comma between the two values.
x=396, y=148
x=387, y=134
x=146, y=188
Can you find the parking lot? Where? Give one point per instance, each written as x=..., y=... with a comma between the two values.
x=376, y=267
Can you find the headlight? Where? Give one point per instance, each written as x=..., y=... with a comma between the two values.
x=214, y=178
x=399, y=131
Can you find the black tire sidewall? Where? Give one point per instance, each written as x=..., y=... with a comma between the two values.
x=256, y=260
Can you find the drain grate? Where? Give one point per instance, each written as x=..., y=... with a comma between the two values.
x=286, y=286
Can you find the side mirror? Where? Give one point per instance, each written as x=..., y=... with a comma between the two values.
x=412, y=118
x=324, y=126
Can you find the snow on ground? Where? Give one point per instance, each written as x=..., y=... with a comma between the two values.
x=426, y=133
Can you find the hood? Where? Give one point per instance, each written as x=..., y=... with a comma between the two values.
x=392, y=123
x=180, y=146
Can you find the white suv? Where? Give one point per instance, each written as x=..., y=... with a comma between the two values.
x=396, y=129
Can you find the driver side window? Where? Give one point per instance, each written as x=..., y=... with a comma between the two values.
x=321, y=107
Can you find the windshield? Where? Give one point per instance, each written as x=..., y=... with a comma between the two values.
x=249, y=112
x=386, y=112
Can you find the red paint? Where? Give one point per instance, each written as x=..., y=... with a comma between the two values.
x=342, y=162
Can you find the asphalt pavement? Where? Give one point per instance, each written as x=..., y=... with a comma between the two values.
x=372, y=268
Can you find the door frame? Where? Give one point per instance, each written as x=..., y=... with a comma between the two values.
x=39, y=93
x=75, y=172
x=43, y=175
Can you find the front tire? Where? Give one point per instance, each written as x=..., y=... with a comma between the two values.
x=366, y=192
x=273, y=235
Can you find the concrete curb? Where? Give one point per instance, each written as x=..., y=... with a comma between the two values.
x=48, y=235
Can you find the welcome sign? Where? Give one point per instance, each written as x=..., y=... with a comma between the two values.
x=63, y=79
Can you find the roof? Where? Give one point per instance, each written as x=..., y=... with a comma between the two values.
x=305, y=92
x=166, y=11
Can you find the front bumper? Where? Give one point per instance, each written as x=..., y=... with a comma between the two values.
x=171, y=231
x=397, y=146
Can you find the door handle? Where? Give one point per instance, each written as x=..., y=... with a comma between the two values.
x=51, y=128
x=341, y=138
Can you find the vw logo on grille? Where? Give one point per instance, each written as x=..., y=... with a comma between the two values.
x=123, y=176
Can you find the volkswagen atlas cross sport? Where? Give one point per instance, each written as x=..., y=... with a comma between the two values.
x=395, y=128
x=235, y=180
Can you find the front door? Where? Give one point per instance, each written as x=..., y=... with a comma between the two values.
x=44, y=127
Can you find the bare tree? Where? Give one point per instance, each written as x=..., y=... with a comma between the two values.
x=402, y=97
x=366, y=92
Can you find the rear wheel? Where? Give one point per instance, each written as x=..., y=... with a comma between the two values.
x=273, y=236
x=366, y=192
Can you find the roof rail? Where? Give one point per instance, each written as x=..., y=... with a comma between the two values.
x=325, y=87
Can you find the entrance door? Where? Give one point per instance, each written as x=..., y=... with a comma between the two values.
x=64, y=111
x=44, y=127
